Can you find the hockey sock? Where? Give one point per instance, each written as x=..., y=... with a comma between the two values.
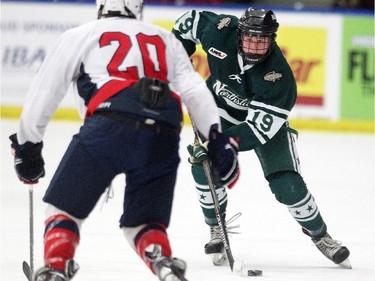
x=205, y=197
x=290, y=189
x=61, y=238
x=152, y=234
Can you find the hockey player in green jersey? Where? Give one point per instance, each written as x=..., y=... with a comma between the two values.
x=255, y=90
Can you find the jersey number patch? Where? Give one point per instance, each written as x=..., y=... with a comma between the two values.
x=154, y=69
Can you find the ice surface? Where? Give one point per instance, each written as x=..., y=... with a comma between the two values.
x=338, y=169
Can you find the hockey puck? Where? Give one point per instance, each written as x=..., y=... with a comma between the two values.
x=254, y=272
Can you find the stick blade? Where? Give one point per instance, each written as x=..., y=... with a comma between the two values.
x=26, y=270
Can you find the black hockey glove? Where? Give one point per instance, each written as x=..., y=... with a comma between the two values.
x=28, y=160
x=223, y=151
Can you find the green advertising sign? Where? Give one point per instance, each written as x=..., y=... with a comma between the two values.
x=357, y=88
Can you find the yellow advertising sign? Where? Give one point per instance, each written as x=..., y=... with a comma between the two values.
x=305, y=49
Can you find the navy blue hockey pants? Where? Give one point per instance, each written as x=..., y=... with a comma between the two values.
x=104, y=148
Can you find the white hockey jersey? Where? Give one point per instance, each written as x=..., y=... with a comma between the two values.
x=91, y=55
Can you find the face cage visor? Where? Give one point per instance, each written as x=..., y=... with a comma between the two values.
x=255, y=48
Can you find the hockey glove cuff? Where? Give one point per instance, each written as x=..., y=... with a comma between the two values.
x=223, y=152
x=198, y=153
x=28, y=160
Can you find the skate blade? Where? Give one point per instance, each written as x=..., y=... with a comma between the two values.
x=346, y=264
x=218, y=259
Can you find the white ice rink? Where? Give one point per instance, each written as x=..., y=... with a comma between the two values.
x=338, y=169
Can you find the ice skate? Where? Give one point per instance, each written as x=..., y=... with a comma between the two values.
x=166, y=268
x=332, y=249
x=47, y=273
x=215, y=247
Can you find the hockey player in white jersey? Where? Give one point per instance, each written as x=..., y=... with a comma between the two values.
x=131, y=79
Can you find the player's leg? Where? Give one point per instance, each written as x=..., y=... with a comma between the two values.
x=214, y=247
x=281, y=166
x=148, y=204
x=61, y=239
x=75, y=188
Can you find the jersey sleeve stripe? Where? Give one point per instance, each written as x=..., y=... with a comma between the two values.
x=260, y=136
x=270, y=108
x=195, y=27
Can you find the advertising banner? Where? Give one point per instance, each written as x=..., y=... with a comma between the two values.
x=312, y=47
x=28, y=31
x=307, y=59
x=357, y=98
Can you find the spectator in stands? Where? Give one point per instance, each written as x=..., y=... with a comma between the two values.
x=353, y=4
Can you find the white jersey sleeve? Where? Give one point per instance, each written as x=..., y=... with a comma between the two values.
x=49, y=87
x=194, y=92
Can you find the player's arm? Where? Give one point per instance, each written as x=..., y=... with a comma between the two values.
x=48, y=88
x=222, y=149
x=185, y=30
x=194, y=92
x=262, y=123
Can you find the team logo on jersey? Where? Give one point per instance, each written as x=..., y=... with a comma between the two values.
x=223, y=23
x=216, y=53
x=272, y=76
x=230, y=97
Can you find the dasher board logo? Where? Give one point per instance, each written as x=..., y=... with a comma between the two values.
x=216, y=53
x=272, y=76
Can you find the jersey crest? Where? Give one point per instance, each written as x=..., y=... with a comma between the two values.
x=272, y=76
x=223, y=23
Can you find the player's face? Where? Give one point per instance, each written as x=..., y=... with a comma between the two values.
x=255, y=45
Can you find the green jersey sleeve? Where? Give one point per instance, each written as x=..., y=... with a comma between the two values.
x=185, y=30
x=200, y=27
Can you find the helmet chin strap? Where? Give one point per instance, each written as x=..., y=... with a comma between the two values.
x=100, y=11
x=130, y=14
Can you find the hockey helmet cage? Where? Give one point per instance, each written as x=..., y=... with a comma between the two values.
x=113, y=8
x=256, y=22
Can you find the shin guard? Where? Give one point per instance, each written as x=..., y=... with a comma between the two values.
x=205, y=198
x=61, y=238
x=152, y=234
x=290, y=189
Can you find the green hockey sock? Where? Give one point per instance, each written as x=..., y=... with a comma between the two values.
x=204, y=195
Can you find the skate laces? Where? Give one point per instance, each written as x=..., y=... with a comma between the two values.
x=231, y=227
x=328, y=241
x=327, y=244
x=215, y=230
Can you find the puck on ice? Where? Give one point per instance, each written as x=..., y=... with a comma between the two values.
x=254, y=272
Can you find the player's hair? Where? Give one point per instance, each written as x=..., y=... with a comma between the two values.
x=260, y=23
x=116, y=8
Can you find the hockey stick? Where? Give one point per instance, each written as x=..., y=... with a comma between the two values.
x=28, y=270
x=219, y=217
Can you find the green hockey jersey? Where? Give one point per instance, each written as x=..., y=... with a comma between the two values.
x=254, y=99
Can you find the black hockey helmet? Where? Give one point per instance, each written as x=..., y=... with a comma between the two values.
x=259, y=23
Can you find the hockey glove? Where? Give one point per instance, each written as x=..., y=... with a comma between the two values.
x=28, y=160
x=198, y=153
x=223, y=151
